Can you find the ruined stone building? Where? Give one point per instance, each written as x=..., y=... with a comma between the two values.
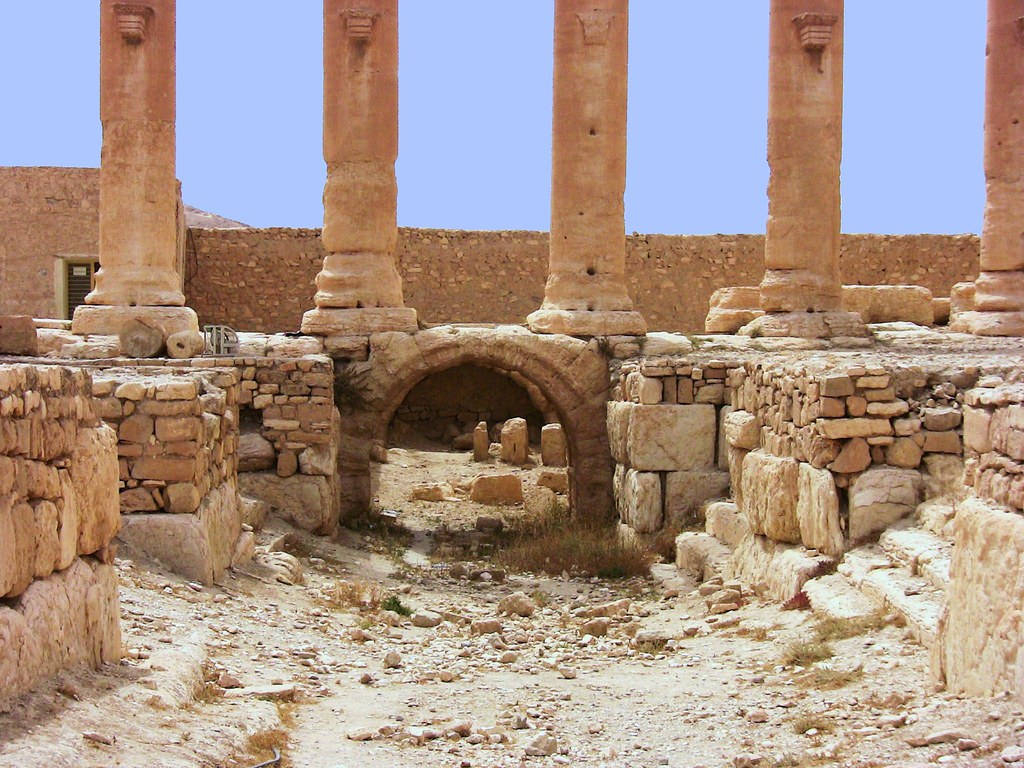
x=842, y=416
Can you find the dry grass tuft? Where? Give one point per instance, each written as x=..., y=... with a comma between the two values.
x=360, y=594
x=819, y=723
x=803, y=653
x=825, y=679
x=843, y=629
x=263, y=743
x=553, y=541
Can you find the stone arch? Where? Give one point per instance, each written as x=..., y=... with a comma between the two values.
x=572, y=375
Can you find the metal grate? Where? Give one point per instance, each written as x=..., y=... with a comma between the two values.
x=220, y=340
x=79, y=277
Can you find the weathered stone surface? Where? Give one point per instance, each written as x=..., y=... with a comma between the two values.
x=839, y=429
x=639, y=501
x=515, y=441
x=358, y=289
x=855, y=456
x=94, y=478
x=770, y=493
x=904, y=452
x=139, y=339
x=199, y=546
x=255, y=453
x=184, y=344
x=687, y=491
x=817, y=511
x=552, y=445
x=729, y=309
x=981, y=635
x=775, y=570
x=890, y=303
x=725, y=521
x=976, y=429
x=497, y=489
x=742, y=430
x=671, y=437
x=557, y=481
x=481, y=442
x=880, y=497
x=18, y=336
x=309, y=501
x=585, y=294
x=619, y=416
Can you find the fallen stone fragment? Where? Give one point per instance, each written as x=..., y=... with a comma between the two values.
x=518, y=604
x=542, y=746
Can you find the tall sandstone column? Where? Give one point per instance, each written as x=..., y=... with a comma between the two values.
x=999, y=289
x=138, y=229
x=586, y=293
x=359, y=289
x=801, y=290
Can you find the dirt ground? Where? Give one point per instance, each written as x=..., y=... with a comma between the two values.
x=339, y=685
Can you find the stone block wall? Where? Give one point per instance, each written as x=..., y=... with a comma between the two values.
x=177, y=436
x=58, y=515
x=262, y=279
x=981, y=635
x=664, y=423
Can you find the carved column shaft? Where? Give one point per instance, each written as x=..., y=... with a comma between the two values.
x=138, y=226
x=805, y=141
x=359, y=288
x=999, y=289
x=586, y=292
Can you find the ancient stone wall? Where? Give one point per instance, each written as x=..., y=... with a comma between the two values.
x=177, y=433
x=262, y=279
x=58, y=515
x=981, y=649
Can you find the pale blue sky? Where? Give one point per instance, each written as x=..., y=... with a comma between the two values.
x=476, y=110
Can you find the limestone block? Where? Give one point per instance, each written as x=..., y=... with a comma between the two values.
x=729, y=309
x=182, y=498
x=701, y=555
x=255, y=453
x=976, y=429
x=722, y=458
x=198, y=547
x=253, y=511
x=641, y=502
x=552, y=445
x=311, y=502
x=736, y=457
x=943, y=476
x=94, y=479
x=17, y=546
x=481, y=442
x=185, y=344
x=961, y=299
x=138, y=338
x=619, y=415
x=817, y=511
x=775, y=570
x=981, y=636
x=770, y=491
x=557, y=481
x=319, y=460
x=890, y=303
x=942, y=442
x=47, y=544
x=942, y=419
x=855, y=456
x=497, y=489
x=880, y=497
x=671, y=437
x=287, y=464
x=839, y=429
x=941, y=309
x=904, y=452
x=743, y=430
x=18, y=336
x=515, y=442
x=725, y=521
x=687, y=491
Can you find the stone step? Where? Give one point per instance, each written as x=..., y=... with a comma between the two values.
x=701, y=555
x=834, y=597
x=936, y=515
x=859, y=562
x=775, y=570
x=921, y=552
x=913, y=597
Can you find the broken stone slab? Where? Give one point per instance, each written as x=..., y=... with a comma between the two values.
x=671, y=437
x=912, y=597
x=724, y=521
x=309, y=501
x=817, y=511
x=833, y=597
x=497, y=489
x=770, y=496
x=515, y=442
x=639, y=501
x=552, y=445
x=920, y=551
x=775, y=570
x=701, y=555
x=18, y=336
x=880, y=497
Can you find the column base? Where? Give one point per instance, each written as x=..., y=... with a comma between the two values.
x=587, y=323
x=988, y=323
x=105, y=320
x=326, y=321
x=807, y=325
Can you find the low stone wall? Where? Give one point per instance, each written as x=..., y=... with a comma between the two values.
x=663, y=426
x=262, y=279
x=177, y=436
x=981, y=648
x=58, y=515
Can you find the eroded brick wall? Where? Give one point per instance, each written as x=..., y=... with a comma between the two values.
x=262, y=279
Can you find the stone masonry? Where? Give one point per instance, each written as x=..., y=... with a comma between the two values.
x=58, y=515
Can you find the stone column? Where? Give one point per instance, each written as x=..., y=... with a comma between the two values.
x=138, y=229
x=359, y=289
x=801, y=290
x=999, y=289
x=586, y=293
